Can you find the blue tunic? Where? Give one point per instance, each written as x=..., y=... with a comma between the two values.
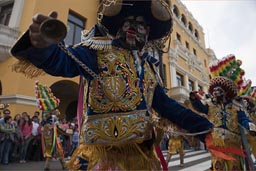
x=55, y=62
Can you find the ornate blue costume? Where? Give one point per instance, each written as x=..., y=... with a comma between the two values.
x=119, y=100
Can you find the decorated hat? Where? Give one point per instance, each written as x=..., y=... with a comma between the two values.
x=46, y=101
x=157, y=14
x=227, y=74
x=226, y=84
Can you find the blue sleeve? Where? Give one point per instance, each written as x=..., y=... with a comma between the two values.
x=243, y=119
x=200, y=107
x=53, y=60
x=176, y=113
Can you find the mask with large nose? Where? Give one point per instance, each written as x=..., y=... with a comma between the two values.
x=133, y=33
x=218, y=94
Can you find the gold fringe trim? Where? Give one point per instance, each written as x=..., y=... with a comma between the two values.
x=124, y=157
x=27, y=68
x=219, y=142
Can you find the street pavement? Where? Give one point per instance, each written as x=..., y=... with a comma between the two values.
x=31, y=166
x=195, y=160
x=198, y=160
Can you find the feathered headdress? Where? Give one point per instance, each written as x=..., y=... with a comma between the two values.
x=46, y=101
x=228, y=74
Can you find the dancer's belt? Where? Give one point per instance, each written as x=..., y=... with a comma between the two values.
x=222, y=133
x=116, y=128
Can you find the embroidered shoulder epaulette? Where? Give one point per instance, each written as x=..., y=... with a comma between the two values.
x=96, y=39
x=98, y=43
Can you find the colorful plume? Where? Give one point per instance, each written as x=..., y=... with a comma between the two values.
x=45, y=99
x=245, y=88
x=229, y=67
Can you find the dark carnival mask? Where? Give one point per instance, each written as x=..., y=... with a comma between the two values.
x=218, y=93
x=133, y=33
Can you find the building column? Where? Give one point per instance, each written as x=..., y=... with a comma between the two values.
x=205, y=89
x=16, y=13
x=196, y=85
x=173, y=75
x=186, y=81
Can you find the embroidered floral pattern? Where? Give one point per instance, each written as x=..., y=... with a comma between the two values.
x=120, y=91
x=116, y=128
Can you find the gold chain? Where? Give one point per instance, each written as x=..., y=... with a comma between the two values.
x=152, y=119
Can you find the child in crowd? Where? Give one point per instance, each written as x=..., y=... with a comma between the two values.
x=75, y=140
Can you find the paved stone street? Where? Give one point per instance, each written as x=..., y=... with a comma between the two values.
x=31, y=166
x=195, y=160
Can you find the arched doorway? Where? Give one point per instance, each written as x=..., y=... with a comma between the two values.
x=71, y=111
x=67, y=92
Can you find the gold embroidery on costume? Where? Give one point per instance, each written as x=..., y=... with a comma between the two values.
x=47, y=133
x=115, y=128
x=149, y=84
x=120, y=156
x=215, y=115
x=120, y=88
x=228, y=118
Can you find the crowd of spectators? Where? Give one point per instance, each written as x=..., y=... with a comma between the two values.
x=20, y=137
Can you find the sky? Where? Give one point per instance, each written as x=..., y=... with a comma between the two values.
x=230, y=28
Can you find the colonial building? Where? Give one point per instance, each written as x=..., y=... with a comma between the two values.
x=184, y=65
x=15, y=17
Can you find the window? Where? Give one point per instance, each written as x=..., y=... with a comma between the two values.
x=5, y=13
x=190, y=85
x=190, y=27
x=179, y=78
x=194, y=52
x=187, y=45
x=176, y=11
x=178, y=37
x=76, y=25
x=196, y=34
x=184, y=20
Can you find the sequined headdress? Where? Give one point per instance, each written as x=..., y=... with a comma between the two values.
x=228, y=74
x=46, y=101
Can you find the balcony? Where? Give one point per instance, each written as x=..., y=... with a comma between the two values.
x=180, y=94
x=7, y=38
x=18, y=99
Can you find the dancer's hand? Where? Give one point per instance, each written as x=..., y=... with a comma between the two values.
x=34, y=29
